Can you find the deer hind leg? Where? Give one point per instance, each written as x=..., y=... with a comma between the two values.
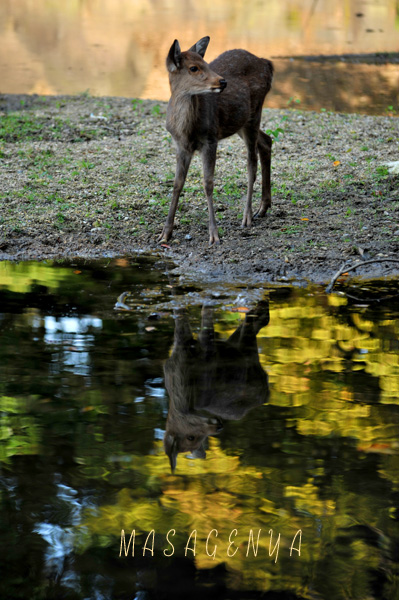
x=244, y=337
x=258, y=317
x=250, y=137
x=265, y=155
x=183, y=336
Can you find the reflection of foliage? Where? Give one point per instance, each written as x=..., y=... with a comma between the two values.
x=20, y=277
x=322, y=456
x=190, y=502
x=323, y=345
x=19, y=434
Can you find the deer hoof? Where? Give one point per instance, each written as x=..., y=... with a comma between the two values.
x=247, y=221
x=262, y=210
x=164, y=237
x=214, y=240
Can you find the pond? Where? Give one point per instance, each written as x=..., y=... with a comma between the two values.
x=278, y=409
x=119, y=48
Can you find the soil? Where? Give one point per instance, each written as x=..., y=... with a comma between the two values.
x=92, y=177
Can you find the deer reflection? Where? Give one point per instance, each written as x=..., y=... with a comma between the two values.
x=209, y=381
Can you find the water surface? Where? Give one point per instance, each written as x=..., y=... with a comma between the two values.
x=303, y=388
x=119, y=48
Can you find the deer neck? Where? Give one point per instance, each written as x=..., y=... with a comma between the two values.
x=183, y=116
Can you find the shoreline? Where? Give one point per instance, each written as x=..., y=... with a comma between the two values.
x=91, y=177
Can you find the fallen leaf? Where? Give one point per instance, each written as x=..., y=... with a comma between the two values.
x=336, y=163
x=304, y=219
x=165, y=246
x=77, y=272
x=150, y=328
x=242, y=309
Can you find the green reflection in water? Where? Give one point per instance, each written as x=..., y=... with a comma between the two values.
x=83, y=407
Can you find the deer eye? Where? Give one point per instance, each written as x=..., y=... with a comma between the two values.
x=193, y=69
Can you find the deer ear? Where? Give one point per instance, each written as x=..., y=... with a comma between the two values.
x=174, y=57
x=201, y=46
x=170, y=445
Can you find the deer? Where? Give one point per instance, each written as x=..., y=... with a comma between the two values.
x=210, y=102
x=210, y=382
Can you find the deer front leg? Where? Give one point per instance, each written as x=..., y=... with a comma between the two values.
x=208, y=162
x=183, y=158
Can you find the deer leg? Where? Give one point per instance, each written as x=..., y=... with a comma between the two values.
x=208, y=163
x=183, y=163
x=207, y=335
x=183, y=336
x=258, y=317
x=250, y=138
x=244, y=337
x=265, y=154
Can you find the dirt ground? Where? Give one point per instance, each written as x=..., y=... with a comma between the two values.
x=92, y=177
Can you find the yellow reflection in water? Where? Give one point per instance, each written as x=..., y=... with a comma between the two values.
x=302, y=340
x=19, y=277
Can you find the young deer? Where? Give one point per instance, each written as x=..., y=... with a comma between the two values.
x=199, y=115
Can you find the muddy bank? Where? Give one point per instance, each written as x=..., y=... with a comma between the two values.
x=84, y=176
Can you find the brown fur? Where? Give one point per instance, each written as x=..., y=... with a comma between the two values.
x=212, y=102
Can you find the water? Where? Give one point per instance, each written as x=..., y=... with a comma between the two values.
x=302, y=392
x=119, y=48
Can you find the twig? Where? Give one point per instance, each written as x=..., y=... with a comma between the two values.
x=345, y=269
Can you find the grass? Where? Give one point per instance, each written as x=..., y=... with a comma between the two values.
x=18, y=127
x=23, y=127
x=292, y=229
x=64, y=172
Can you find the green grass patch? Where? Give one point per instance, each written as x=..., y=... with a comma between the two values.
x=22, y=126
x=16, y=127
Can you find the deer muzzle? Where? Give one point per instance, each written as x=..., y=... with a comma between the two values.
x=221, y=85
